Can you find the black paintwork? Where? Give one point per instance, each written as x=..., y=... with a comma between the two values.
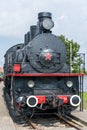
x=31, y=55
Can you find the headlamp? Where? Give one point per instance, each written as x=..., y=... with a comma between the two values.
x=31, y=84
x=69, y=84
x=47, y=23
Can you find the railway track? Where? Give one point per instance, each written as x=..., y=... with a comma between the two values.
x=30, y=123
x=79, y=120
x=41, y=123
x=70, y=121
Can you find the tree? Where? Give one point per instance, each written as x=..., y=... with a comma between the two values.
x=73, y=58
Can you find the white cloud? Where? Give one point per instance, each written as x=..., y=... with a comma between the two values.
x=63, y=17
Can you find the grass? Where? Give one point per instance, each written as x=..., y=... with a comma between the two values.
x=85, y=100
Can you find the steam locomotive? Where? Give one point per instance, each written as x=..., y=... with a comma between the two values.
x=37, y=77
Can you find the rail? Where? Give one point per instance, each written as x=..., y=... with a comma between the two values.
x=71, y=121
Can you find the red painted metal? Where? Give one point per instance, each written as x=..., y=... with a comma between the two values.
x=17, y=68
x=41, y=99
x=48, y=56
x=64, y=98
x=45, y=74
x=19, y=106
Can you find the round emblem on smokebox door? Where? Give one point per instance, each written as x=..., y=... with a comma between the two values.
x=46, y=57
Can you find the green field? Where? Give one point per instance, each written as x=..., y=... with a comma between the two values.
x=85, y=100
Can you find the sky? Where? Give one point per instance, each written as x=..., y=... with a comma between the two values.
x=16, y=17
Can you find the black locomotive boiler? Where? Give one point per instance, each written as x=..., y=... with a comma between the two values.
x=37, y=77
